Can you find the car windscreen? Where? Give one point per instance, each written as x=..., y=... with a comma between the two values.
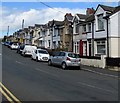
x=42, y=52
x=15, y=44
x=72, y=55
x=22, y=47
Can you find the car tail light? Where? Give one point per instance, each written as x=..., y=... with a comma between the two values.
x=68, y=59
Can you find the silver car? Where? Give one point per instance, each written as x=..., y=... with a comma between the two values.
x=65, y=59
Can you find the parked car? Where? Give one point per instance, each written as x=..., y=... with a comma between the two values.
x=20, y=49
x=65, y=59
x=14, y=46
x=6, y=43
x=40, y=55
x=9, y=44
x=28, y=49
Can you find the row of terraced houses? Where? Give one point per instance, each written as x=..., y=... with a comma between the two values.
x=94, y=35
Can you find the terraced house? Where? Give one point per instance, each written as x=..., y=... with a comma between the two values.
x=94, y=35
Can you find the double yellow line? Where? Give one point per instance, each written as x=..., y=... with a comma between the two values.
x=9, y=96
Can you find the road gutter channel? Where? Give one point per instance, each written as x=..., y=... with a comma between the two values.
x=101, y=73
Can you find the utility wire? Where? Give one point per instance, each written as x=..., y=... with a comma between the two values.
x=50, y=7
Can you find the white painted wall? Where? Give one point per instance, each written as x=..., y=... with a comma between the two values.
x=101, y=63
x=114, y=25
x=114, y=47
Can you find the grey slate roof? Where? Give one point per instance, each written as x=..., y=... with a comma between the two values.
x=82, y=16
x=116, y=9
x=107, y=8
x=90, y=18
x=57, y=23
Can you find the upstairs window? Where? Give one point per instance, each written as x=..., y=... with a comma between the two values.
x=58, y=32
x=84, y=28
x=77, y=29
x=89, y=27
x=100, y=22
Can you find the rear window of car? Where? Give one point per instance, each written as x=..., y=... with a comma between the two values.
x=42, y=51
x=55, y=53
x=72, y=55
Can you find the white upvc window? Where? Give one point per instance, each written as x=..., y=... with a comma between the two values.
x=101, y=49
x=100, y=22
x=76, y=28
x=89, y=27
x=76, y=47
x=54, y=44
x=49, y=43
x=84, y=28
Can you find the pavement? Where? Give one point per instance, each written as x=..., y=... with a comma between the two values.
x=101, y=71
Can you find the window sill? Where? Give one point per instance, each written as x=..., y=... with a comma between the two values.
x=100, y=30
x=89, y=32
x=76, y=33
x=54, y=36
x=84, y=33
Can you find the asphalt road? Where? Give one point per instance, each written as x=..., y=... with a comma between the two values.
x=29, y=80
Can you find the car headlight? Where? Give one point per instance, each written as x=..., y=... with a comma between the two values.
x=39, y=55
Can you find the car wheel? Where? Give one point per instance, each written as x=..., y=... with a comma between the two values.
x=31, y=58
x=64, y=66
x=24, y=54
x=79, y=68
x=49, y=63
x=37, y=59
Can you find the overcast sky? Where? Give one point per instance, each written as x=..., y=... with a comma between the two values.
x=13, y=13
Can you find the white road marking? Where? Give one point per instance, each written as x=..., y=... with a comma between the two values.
x=101, y=73
x=45, y=72
x=19, y=62
x=92, y=86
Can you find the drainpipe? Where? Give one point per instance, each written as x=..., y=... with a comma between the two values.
x=107, y=39
x=107, y=18
x=93, y=38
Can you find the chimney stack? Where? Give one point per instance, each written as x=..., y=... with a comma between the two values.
x=90, y=11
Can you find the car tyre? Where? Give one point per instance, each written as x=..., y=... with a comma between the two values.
x=49, y=63
x=31, y=58
x=64, y=66
x=37, y=59
x=24, y=54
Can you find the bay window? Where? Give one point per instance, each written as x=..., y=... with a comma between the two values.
x=100, y=22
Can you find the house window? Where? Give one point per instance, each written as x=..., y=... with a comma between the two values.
x=76, y=47
x=54, y=44
x=89, y=27
x=58, y=32
x=77, y=29
x=100, y=22
x=84, y=28
x=101, y=47
x=58, y=44
x=49, y=43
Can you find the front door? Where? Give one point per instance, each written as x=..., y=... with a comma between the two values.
x=89, y=49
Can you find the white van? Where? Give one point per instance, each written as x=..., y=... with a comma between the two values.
x=28, y=49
